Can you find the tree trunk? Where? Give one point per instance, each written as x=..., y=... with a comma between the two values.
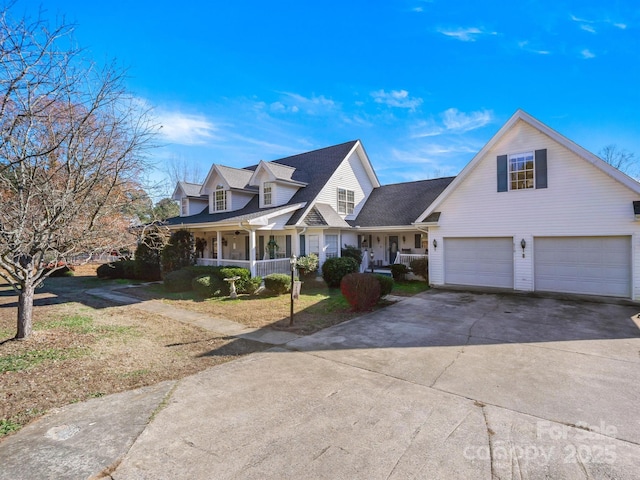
x=25, y=311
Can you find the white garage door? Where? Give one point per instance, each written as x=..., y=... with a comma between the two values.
x=591, y=265
x=486, y=262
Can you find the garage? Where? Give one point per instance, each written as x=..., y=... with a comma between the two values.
x=486, y=262
x=588, y=265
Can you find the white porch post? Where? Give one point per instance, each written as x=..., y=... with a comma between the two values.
x=252, y=253
x=295, y=245
x=219, y=240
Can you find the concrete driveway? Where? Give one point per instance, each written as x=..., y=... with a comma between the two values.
x=441, y=385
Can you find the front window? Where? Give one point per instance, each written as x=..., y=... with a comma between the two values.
x=521, y=171
x=267, y=193
x=184, y=210
x=332, y=246
x=220, y=200
x=346, y=201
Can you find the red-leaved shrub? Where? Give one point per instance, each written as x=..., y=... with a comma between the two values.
x=362, y=290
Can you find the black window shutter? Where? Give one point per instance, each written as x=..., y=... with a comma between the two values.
x=541, y=168
x=417, y=241
x=303, y=245
x=287, y=241
x=503, y=174
x=260, y=254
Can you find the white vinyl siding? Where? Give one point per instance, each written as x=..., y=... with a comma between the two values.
x=479, y=261
x=350, y=175
x=589, y=265
x=580, y=200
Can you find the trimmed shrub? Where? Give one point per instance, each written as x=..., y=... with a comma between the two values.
x=119, y=269
x=335, y=268
x=361, y=290
x=386, y=284
x=399, y=271
x=420, y=266
x=253, y=285
x=179, y=252
x=147, y=262
x=196, y=270
x=178, y=281
x=243, y=284
x=207, y=286
x=278, y=283
x=353, y=252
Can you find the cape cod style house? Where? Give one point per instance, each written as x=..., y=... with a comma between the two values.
x=532, y=211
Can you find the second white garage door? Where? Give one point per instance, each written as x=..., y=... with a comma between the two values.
x=486, y=262
x=590, y=265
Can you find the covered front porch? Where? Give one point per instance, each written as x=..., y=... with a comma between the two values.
x=384, y=248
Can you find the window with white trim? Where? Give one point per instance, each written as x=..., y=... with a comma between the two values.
x=267, y=193
x=346, y=201
x=521, y=171
x=331, y=247
x=220, y=199
x=184, y=207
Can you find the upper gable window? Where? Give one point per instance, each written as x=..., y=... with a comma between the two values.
x=521, y=171
x=220, y=199
x=267, y=193
x=184, y=207
x=346, y=201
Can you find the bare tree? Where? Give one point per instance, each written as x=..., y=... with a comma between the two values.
x=182, y=171
x=619, y=158
x=71, y=145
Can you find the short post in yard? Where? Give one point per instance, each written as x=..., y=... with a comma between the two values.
x=371, y=256
x=292, y=261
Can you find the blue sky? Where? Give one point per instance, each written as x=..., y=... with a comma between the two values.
x=423, y=83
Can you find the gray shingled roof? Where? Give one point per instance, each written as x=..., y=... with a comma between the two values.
x=236, y=177
x=190, y=189
x=281, y=172
x=323, y=215
x=400, y=203
x=314, y=168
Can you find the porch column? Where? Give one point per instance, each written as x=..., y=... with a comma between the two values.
x=252, y=253
x=219, y=240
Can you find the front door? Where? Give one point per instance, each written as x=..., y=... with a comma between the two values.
x=393, y=249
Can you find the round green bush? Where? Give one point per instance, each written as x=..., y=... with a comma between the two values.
x=147, y=263
x=278, y=283
x=386, y=284
x=207, y=286
x=179, y=252
x=420, y=266
x=178, y=281
x=243, y=284
x=362, y=290
x=335, y=268
x=399, y=271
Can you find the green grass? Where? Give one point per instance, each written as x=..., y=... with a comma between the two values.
x=84, y=325
x=409, y=287
x=30, y=359
x=8, y=426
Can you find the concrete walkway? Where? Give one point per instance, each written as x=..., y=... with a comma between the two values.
x=441, y=385
x=217, y=325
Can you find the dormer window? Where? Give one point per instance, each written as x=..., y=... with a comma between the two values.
x=346, y=201
x=184, y=207
x=267, y=194
x=220, y=199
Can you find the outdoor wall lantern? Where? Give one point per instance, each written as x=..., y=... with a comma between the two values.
x=378, y=238
x=435, y=244
x=523, y=244
x=404, y=239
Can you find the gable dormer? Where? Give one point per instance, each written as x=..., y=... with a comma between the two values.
x=189, y=197
x=228, y=188
x=275, y=183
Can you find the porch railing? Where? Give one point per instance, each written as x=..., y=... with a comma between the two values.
x=263, y=267
x=267, y=267
x=405, y=258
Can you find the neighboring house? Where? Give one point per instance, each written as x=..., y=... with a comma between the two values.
x=533, y=211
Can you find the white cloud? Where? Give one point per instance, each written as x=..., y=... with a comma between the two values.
x=525, y=45
x=587, y=54
x=185, y=129
x=314, y=105
x=587, y=28
x=396, y=98
x=457, y=121
x=470, y=34
x=621, y=26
